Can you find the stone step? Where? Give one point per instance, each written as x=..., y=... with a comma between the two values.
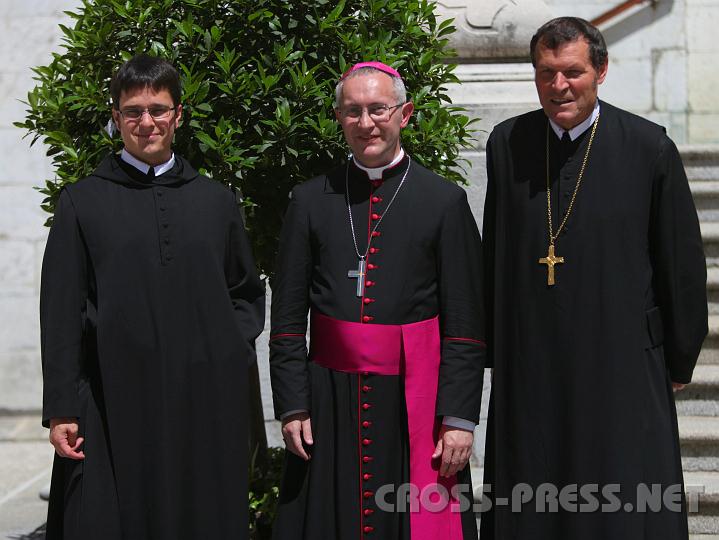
x=702, y=173
x=698, y=407
x=710, y=348
x=704, y=488
x=22, y=428
x=699, y=154
x=713, y=289
x=703, y=527
x=704, y=386
x=700, y=464
x=710, y=236
x=701, y=163
x=708, y=356
x=699, y=437
x=706, y=194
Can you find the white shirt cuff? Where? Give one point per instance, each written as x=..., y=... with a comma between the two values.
x=288, y=413
x=460, y=423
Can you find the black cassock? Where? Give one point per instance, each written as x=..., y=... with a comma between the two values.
x=582, y=370
x=150, y=305
x=425, y=260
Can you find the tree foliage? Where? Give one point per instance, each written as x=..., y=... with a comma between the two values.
x=258, y=86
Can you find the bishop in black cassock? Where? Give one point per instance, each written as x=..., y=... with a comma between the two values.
x=150, y=305
x=423, y=261
x=583, y=368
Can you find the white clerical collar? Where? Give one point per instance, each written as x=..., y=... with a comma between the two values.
x=376, y=172
x=577, y=130
x=143, y=167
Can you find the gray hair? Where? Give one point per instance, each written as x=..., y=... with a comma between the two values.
x=400, y=92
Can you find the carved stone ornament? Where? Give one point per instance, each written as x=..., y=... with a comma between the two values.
x=493, y=30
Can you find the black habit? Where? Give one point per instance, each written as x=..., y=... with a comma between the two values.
x=424, y=261
x=150, y=305
x=581, y=389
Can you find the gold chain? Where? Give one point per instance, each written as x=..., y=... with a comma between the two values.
x=553, y=237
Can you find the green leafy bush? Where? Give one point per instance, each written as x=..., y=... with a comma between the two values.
x=264, y=492
x=258, y=82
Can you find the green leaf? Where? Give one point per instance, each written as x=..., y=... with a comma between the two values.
x=206, y=139
x=258, y=79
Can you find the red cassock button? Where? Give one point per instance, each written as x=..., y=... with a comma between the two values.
x=376, y=199
x=367, y=318
x=375, y=216
x=371, y=266
x=366, y=406
x=376, y=233
x=367, y=494
x=368, y=529
x=366, y=388
x=374, y=250
x=366, y=476
x=369, y=283
x=368, y=300
x=366, y=442
x=368, y=512
x=367, y=459
x=366, y=424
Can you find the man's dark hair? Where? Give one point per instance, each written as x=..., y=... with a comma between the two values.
x=144, y=71
x=565, y=30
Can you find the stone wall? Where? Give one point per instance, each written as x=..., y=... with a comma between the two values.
x=662, y=63
x=30, y=34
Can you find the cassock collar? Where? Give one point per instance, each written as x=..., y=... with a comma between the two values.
x=143, y=167
x=117, y=170
x=378, y=173
x=577, y=130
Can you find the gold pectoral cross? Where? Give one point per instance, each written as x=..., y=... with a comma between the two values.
x=550, y=260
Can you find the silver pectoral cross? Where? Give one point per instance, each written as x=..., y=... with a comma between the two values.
x=359, y=275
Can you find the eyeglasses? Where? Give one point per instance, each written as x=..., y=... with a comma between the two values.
x=378, y=113
x=159, y=112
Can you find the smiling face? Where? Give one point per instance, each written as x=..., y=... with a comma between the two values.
x=373, y=143
x=567, y=82
x=147, y=139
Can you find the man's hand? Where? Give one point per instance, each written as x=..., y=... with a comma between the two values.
x=295, y=428
x=676, y=386
x=63, y=436
x=455, y=447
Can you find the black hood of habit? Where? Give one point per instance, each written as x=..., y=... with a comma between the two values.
x=116, y=170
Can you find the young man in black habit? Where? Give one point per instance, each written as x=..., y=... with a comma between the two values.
x=150, y=306
x=386, y=257
x=596, y=288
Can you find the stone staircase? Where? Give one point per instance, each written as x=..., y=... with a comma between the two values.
x=698, y=403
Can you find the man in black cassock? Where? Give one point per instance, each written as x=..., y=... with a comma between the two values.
x=374, y=245
x=150, y=306
x=596, y=287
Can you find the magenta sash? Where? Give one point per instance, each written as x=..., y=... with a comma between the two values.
x=411, y=350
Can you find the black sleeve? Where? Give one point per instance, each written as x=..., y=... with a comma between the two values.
x=63, y=301
x=678, y=263
x=290, y=305
x=488, y=254
x=461, y=314
x=245, y=288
